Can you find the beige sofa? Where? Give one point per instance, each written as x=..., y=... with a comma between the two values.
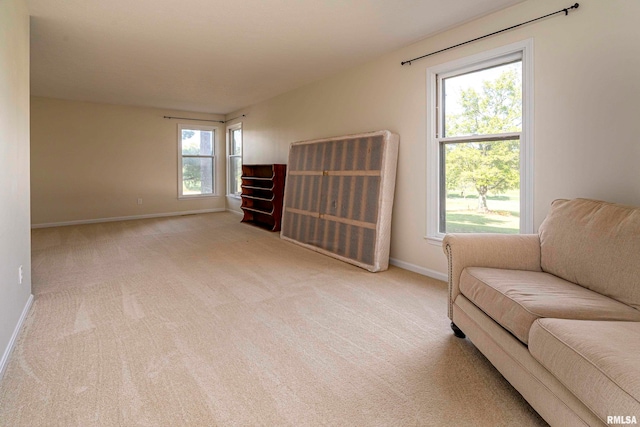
x=558, y=312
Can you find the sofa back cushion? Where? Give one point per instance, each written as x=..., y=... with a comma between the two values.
x=594, y=244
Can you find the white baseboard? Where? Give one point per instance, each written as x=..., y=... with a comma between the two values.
x=417, y=269
x=14, y=337
x=124, y=218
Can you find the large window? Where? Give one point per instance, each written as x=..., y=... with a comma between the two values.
x=479, y=144
x=234, y=159
x=196, y=161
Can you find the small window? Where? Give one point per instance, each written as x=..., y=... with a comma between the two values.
x=479, y=145
x=196, y=157
x=234, y=160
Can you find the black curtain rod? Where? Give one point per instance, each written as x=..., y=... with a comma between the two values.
x=227, y=121
x=204, y=120
x=565, y=11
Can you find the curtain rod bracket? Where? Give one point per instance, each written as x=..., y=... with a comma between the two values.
x=566, y=10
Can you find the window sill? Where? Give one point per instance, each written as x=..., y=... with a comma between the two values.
x=197, y=196
x=234, y=196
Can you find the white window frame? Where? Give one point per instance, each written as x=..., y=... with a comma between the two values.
x=214, y=132
x=230, y=129
x=482, y=60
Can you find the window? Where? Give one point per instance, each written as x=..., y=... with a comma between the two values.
x=234, y=159
x=479, y=145
x=196, y=161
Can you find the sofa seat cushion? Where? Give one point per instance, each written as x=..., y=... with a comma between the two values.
x=598, y=361
x=515, y=299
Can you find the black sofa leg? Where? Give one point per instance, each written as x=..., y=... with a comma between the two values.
x=456, y=331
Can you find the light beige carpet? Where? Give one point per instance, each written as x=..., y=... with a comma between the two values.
x=200, y=320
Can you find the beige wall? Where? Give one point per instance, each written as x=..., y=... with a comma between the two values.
x=587, y=96
x=15, y=233
x=92, y=161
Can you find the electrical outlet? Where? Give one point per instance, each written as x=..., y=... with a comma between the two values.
x=139, y=200
x=20, y=274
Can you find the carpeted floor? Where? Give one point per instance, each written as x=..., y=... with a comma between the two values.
x=200, y=320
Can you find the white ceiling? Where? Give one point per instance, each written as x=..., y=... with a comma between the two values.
x=218, y=56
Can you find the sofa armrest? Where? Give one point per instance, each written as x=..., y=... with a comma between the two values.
x=508, y=251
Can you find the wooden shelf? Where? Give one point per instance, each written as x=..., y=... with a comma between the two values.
x=262, y=194
x=255, y=187
x=258, y=198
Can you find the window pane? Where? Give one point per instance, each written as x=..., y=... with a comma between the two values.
x=482, y=187
x=197, y=142
x=483, y=102
x=197, y=176
x=235, y=174
x=236, y=142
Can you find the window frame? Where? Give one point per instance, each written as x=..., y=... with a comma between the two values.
x=213, y=157
x=464, y=65
x=230, y=129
